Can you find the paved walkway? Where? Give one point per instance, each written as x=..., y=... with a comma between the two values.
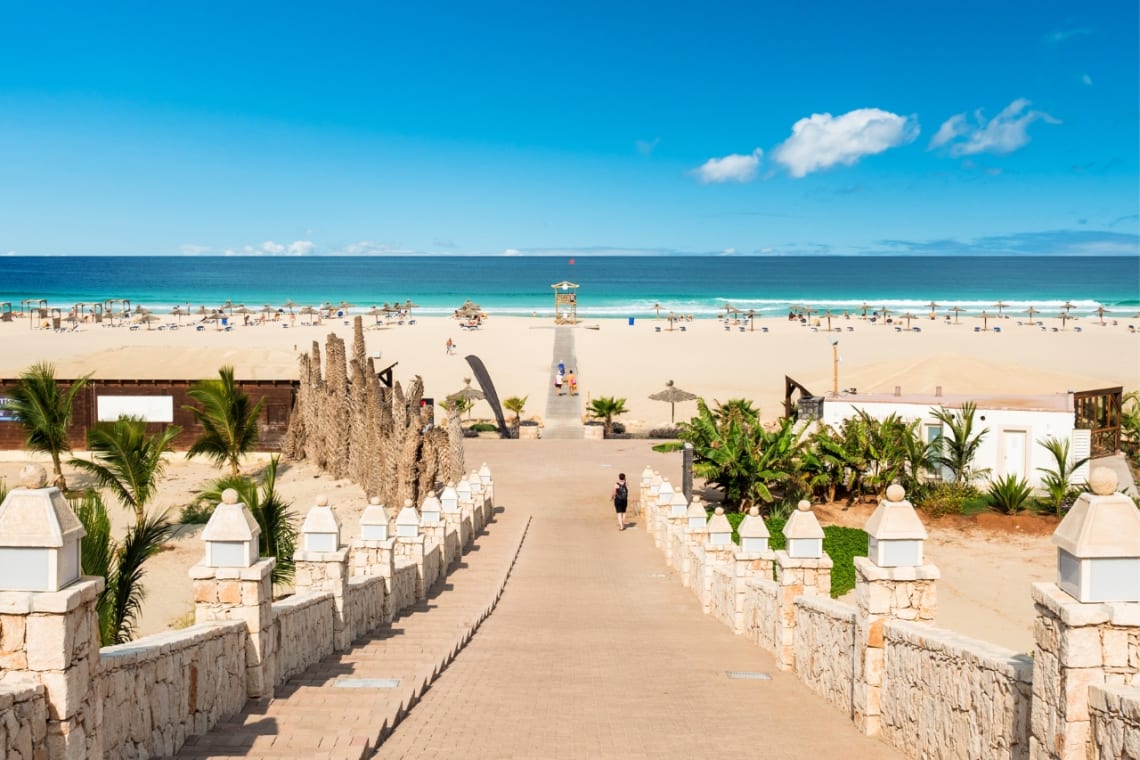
x=596, y=651
x=328, y=711
x=563, y=412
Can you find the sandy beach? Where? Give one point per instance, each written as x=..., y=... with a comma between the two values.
x=984, y=591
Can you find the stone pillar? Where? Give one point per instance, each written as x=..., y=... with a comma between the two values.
x=718, y=550
x=676, y=517
x=803, y=569
x=892, y=583
x=49, y=627
x=321, y=564
x=231, y=583
x=752, y=559
x=373, y=554
x=449, y=499
x=488, y=482
x=434, y=529
x=410, y=544
x=643, y=490
x=467, y=506
x=479, y=494
x=1088, y=622
x=692, y=545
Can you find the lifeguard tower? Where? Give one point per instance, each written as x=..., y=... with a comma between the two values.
x=565, y=303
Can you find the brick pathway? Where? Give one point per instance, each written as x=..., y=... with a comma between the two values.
x=312, y=717
x=595, y=651
x=563, y=412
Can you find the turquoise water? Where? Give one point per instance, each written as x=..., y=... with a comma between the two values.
x=610, y=286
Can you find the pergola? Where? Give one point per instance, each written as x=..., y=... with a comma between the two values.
x=565, y=302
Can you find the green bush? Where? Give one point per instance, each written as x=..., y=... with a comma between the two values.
x=1009, y=494
x=485, y=427
x=843, y=545
x=946, y=498
x=197, y=513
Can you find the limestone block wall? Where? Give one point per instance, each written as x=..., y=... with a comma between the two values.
x=1115, y=715
x=364, y=605
x=761, y=610
x=304, y=626
x=23, y=721
x=433, y=565
x=403, y=591
x=722, y=594
x=695, y=567
x=157, y=691
x=676, y=539
x=937, y=683
x=824, y=648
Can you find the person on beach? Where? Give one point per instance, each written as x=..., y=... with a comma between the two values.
x=620, y=497
x=450, y=347
x=558, y=378
x=573, y=383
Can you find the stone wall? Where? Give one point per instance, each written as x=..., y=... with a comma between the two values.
x=937, y=683
x=157, y=691
x=824, y=647
x=722, y=595
x=433, y=566
x=694, y=566
x=364, y=605
x=23, y=721
x=761, y=610
x=1115, y=714
x=304, y=625
x=403, y=590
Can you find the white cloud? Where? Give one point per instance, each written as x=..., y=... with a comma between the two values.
x=270, y=247
x=301, y=247
x=732, y=168
x=194, y=250
x=1004, y=133
x=1086, y=79
x=512, y=252
x=822, y=140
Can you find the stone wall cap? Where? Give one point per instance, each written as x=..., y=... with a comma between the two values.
x=375, y=514
x=38, y=517
x=431, y=504
x=753, y=526
x=718, y=523
x=811, y=563
x=1100, y=526
x=802, y=523
x=408, y=515
x=872, y=572
x=304, y=555
x=321, y=519
x=696, y=508
x=231, y=521
x=895, y=520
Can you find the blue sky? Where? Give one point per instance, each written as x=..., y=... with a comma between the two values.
x=570, y=129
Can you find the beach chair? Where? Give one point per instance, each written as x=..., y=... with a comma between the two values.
x=997, y=329
x=727, y=328
x=657, y=328
x=202, y=328
x=134, y=327
x=1056, y=330
x=916, y=329
x=977, y=329
x=850, y=328
x=682, y=328
x=898, y=329
x=742, y=328
x=763, y=329
x=1077, y=329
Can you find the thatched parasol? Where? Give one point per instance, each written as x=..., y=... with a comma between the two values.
x=375, y=313
x=673, y=395
x=908, y=317
x=467, y=393
x=1100, y=314
x=957, y=310
x=865, y=307
x=985, y=319
x=289, y=304
x=1031, y=311
x=999, y=306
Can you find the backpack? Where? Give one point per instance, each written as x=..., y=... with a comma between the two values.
x=622, y=494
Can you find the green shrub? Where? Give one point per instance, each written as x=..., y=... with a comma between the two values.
x=197, y=513
x=485, y=427
x=1009, y=494
x=947, y=498
x=843, y=545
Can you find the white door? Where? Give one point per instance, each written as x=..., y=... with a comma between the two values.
x=1013, y=452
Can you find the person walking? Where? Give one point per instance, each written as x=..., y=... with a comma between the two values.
x=559, y=379
x=572, y=382
x=620, y=498
x=450, y=346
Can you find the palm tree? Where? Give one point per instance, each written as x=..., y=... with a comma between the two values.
x=128, y=461
x=121, y=564
x=606, y=408
x=957, y=450
x=1057, y=482
x=228, y=420
x=273, y=515
x=44, y=409
x=516, y=405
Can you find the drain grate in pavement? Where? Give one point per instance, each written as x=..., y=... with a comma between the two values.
x=367, y=683
x=748, y=675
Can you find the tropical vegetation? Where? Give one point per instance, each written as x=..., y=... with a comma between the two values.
x=1056, y=481
x=515, y=404
x=44, y=409
x=273, y=514
x=228, y=418
x=605, y=408
x=127, y=461
x=958, y=444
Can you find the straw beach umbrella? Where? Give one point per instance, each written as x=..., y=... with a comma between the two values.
x=1100, y=314
x=375, y=313
x=468, y=394
x=289, y=304
x=1031, y=311
x=908, y=317
x=672, y=395
x=865, y=307
x=985, y=316
x=932, y=306
x=999, y=306
x=957, y=310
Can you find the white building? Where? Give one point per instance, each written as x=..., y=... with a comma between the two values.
x=1014, y=426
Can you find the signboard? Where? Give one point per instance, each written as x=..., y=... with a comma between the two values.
x=149, y=408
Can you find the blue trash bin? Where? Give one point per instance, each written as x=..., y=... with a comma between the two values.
x=631, y=321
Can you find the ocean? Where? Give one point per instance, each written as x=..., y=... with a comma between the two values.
x=609, y=286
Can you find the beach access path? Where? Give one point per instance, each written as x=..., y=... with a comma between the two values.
x=594, y=649
x=563, y=418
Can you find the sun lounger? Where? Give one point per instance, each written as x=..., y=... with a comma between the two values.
x=763, y=329
x=916, y=329
x=742, y=328
x=898, y=329
x=977, y=329
x=657, y=328
x=727, y=328
x=200, y=328
x=1055, y=330
x=1077, y=329
x=997, y=329
x=850, y=328
x=682, y=328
